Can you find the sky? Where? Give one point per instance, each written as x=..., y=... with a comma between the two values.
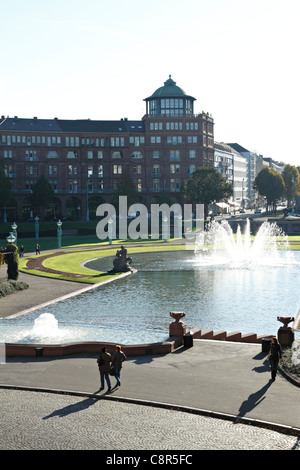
x=96, y=59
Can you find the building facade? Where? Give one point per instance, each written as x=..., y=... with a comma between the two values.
x=84, y=159
x=233, y=167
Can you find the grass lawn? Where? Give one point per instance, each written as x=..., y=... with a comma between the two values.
x=71, y=262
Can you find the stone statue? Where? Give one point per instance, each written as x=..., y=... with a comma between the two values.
x=121, y=261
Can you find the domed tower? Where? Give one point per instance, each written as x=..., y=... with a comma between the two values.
x=170, y=100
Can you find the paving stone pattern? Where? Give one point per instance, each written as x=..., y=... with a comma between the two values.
x=42, y=421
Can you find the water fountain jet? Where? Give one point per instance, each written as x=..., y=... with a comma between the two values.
x=221, y=246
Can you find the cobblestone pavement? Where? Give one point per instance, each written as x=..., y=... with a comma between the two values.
x=43, y=421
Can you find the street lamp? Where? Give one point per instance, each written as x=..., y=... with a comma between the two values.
x=59, y=233
x=36, y=227
x=14, y=227
x=165, y=228
x=110, y=228
x=11, y=238
x=293, y=180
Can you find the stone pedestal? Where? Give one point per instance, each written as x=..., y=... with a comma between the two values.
x=285, y=333
x=177, y=328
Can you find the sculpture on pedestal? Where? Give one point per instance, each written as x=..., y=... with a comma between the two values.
x=121, y=262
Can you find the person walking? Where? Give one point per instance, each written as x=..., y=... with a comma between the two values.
x=37, y=249
x=104, y=361
x=117, y=358
x=274, y=357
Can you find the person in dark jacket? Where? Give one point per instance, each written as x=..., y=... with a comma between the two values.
x=274, y=357
x=104, y=361
x=117, y=358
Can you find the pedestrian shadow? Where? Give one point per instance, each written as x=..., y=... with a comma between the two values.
x=74, y=408
x=79, y=406
x=265, y=367
x=253, y=400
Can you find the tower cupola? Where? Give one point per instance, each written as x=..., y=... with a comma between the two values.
x=170, y=100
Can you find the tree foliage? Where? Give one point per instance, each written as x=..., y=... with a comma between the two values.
x=205, y=186
x=269, y=183
x=125, y=187
x=288, y=173
x=42, y=193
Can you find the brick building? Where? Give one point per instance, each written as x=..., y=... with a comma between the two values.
x=83, y=159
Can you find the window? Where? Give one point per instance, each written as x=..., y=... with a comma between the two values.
x=30, y=155
x=139, y=185
x=155, y=139
x=136, y=140
x=192, y=153
x=116, y=155
x=192, y=168
x=72, y=170
x=52, y=170
x=156, y=170
x=155, y=153
x=100, y=170
x=156, y=126
x=117, y=169
x=156, y=185
x=73, y=186
x=90, y=154
x=171, y=126
x=31, y=170
x=137, y=155
x=7, y=153
x=174, y=168
x=72, y=154
x=100, y=153
x=8, y=171
x=175, y=155
x=175, y=184
x=137, y=169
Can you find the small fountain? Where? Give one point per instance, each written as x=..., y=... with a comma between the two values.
x=221, y=246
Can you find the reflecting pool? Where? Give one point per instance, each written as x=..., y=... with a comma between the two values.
x=135, y=309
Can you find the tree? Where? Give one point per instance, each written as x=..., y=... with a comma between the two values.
x=6, y=193
x=269, y=183
x=42, y=193
x=205, y=186
x=290, y=186
x=125, y=187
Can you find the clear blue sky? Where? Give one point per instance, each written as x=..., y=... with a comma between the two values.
x=99, y=59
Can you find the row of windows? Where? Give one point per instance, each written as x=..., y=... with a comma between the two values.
x=98, y=186
x=92, y=171
x=32, y=155
x=174, y=126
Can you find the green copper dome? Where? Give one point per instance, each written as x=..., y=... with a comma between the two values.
x=169, y=90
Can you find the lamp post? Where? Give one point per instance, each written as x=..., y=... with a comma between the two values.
x=11, y=238
x=36, y=227
x=164, y=228
x=110, y=228
x=293, y=181
x=59, y=233
x=14, y=227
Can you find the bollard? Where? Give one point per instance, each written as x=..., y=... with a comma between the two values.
x=38, y=352
x=188, y=340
